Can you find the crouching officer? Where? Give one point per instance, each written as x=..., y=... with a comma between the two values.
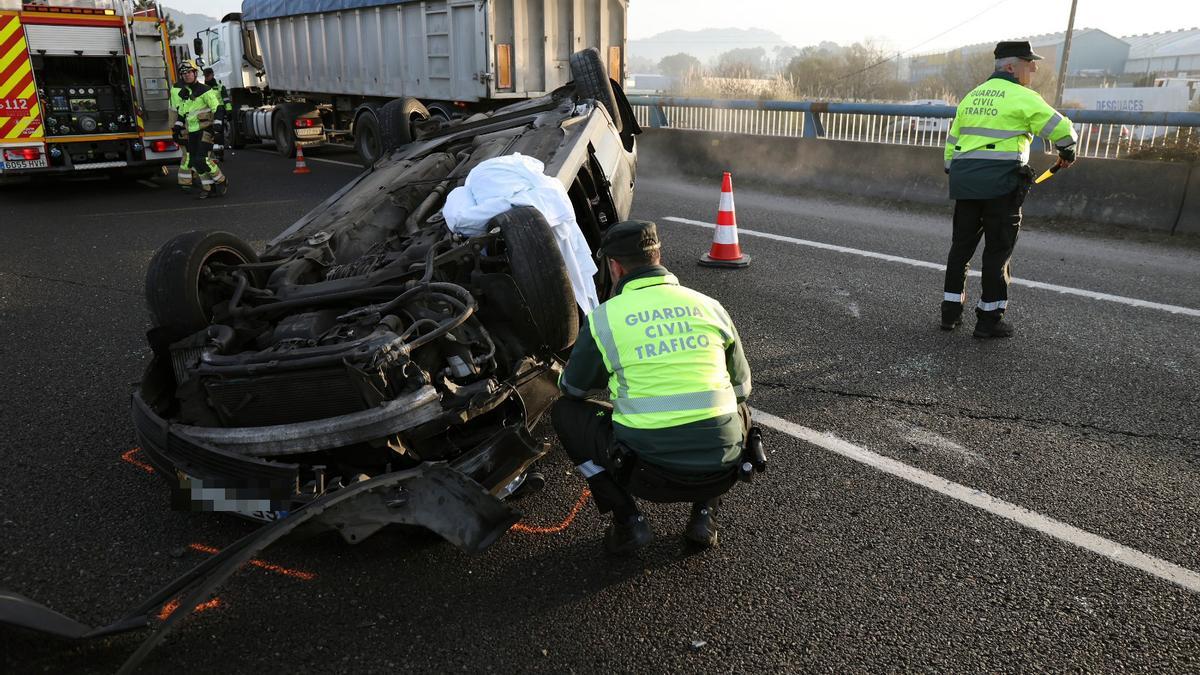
x=197, y=113
x=987, y=157
x=677, y=425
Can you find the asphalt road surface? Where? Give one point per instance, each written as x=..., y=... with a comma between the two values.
x=934, y=502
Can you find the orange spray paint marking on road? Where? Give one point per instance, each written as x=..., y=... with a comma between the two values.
x=555, y=529
x=262, y=564
x=169, y=608
x=129, y=456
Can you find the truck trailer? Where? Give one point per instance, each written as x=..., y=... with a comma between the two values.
x=84, y=89
x=309, y=72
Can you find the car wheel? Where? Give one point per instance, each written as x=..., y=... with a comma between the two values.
x=395, y=121
x=177, y=293
x=285, y=140
x=367, y=141
x=537, y=266
x=591, y=81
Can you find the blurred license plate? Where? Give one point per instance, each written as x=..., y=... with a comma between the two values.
x=219, y=496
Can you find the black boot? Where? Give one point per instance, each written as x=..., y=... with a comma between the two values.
x=951, y=315
x=625, y=536
x=702, y=526
x=989, y=326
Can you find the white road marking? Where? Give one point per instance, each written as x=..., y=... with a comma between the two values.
x=1067, y=290
x=310, y=158
x=209, y=205
x=1157, y=567
x=150, y=184
x=925, y=439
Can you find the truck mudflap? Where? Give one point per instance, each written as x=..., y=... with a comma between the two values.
x=434, y=495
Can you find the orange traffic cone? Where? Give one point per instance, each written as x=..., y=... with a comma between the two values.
x=301, y=166
x=725, y=251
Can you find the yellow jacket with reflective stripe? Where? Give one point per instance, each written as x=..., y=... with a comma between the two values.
x=197, y=112
x=665, y=349
x=998, y=119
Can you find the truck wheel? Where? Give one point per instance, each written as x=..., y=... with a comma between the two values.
x=537, y=266
x=367, y=141
x=395, y=121
x=237, y=140
x=285, y=139
x=177, y=294
x=591, y=81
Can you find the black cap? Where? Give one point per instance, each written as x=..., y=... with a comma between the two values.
x=629, y=238
x=208, y=71
x=1020, y=49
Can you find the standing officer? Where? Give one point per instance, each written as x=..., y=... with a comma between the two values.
x=210, y=80
x=678, y=380
x=987, y=157
x=197, y=112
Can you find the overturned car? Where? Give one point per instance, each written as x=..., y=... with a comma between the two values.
x=370, y=348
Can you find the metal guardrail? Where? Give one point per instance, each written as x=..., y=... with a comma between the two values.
x=1102, y=134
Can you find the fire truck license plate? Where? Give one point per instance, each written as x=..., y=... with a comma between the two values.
x=23, y=164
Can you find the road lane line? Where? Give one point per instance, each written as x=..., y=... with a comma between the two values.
x=1066, y=290
x=310, y=158
x=1157, y=567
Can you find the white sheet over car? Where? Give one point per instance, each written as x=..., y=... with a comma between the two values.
x=498, y=184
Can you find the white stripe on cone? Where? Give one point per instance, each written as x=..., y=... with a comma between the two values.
x=726, y=202
x=725, y=234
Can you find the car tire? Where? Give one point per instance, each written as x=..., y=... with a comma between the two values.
x=368, y=141
x=285, y=139
x=537, y=266
x=591, y=81
x=395, y=122
x=175, y=294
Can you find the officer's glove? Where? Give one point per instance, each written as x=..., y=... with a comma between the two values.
x=1067, y=155
x=177, y=131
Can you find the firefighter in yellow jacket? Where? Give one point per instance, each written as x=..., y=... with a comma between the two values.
x=198, y=116
x=987, y=157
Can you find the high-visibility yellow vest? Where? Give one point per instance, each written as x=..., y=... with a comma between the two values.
x=999, y=119
x=664, y=347
x=196, y=112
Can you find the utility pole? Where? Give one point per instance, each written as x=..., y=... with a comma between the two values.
x=1066, y=56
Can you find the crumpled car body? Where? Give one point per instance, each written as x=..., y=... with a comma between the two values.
x=367, y=339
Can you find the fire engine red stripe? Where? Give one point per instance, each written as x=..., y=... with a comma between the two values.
x=7, y=125
x=22, y=85
x=12, y=41
x=11, y=70
x=36, y=19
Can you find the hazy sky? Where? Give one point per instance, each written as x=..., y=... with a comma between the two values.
x=901, y=25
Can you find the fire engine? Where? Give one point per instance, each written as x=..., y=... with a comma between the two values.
x=84, y=89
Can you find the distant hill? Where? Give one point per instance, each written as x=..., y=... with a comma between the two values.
x=192, y=23
x=706, y=44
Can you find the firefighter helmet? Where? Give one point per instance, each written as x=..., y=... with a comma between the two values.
x=187, y=67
